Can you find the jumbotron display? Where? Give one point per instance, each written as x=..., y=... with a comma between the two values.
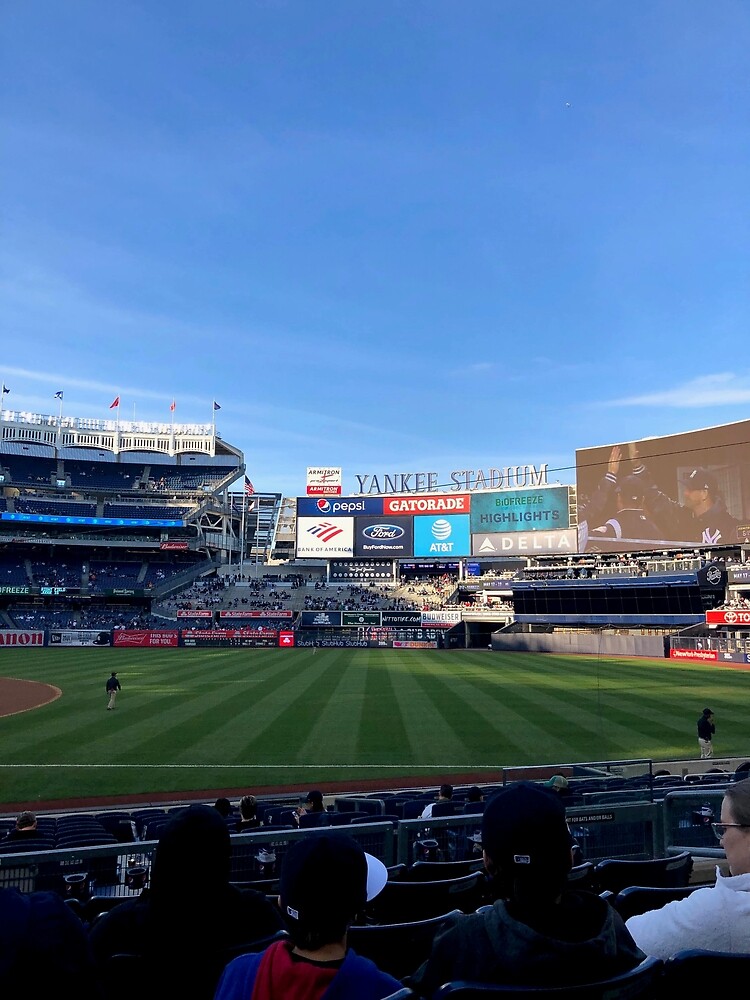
x=685, y=490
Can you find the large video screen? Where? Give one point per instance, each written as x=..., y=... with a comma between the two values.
x=687, y=490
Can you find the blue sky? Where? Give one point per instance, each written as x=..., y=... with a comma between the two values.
x=390, y=235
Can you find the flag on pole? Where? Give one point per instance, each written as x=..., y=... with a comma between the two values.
x=216, y=405
x=249, y=488
x=173, y=406
x=5, y=388
x=115, y=404
x=59, y=394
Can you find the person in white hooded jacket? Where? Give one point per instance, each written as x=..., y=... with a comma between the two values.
x=717, y=917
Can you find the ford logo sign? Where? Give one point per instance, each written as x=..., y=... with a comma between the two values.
x=383, y=532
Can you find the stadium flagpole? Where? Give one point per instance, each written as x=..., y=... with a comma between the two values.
x=242, y=533
x=257, y=530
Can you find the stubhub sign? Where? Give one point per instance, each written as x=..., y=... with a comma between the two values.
x=338, y=506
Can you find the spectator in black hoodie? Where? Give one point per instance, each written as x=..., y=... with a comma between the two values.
x=537, y=933
x=188, y=920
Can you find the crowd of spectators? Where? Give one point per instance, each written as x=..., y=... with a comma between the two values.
x=535, y=927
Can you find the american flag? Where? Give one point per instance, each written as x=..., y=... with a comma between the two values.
x=249, y=488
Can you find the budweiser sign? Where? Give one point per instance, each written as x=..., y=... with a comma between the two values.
x=729, y=617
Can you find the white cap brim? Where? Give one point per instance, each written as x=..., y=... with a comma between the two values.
x=377, y=876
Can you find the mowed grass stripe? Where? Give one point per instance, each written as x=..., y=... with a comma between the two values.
x=406, y=724
x=498, y=723
x=286, y=716
x=333, y=736
x=230, y=716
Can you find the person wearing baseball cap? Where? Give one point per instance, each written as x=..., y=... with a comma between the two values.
x=313, y=812
x=701, y=518
x=706, y=730
x=630, y=520
x=537, y=932
x=326, y=879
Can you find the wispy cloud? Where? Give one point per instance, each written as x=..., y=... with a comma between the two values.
x=721, y=389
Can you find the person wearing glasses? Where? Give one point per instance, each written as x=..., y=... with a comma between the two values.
x=716, y=917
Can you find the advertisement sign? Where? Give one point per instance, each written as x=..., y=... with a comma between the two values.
x=7, y=588
x=79, y=637
x=730, y=617
x=320, y=619
x=505, y=543
x=229, y=637
x=392, y=538
x=693, y=654
x=286, y=639
x=441, y=503
x=20, y=637
x=339, y=506
x=144, y=639
x=442, y=536
x=329, y=642
x=692, y=488
x=360, y=618
x=116, y=522
x=406, y=619
x=323, y=481
x=195, y=614
x=256, y=614
x=397, y=644
x=173, y=546
x=521, y=510
x=442, y=619
x=325, y=538
x=738, y=574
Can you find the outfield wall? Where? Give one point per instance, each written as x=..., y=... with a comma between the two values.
x=579, y=643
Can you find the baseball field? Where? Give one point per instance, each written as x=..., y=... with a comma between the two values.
x=254, y=719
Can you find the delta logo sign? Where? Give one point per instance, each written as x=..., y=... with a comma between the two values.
x=324, y=538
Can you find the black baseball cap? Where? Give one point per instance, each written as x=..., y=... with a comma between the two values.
x=525, y=833
x=315, y=797
x=328, y=876
x=700, y=479
x=631, y=488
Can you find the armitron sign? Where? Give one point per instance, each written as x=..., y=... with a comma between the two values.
x=730, y=617
x=323, y=481
x=12, y=637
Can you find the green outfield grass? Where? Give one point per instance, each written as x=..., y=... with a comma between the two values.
x=189, y=720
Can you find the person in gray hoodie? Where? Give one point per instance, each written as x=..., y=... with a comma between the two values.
x=537, y=932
